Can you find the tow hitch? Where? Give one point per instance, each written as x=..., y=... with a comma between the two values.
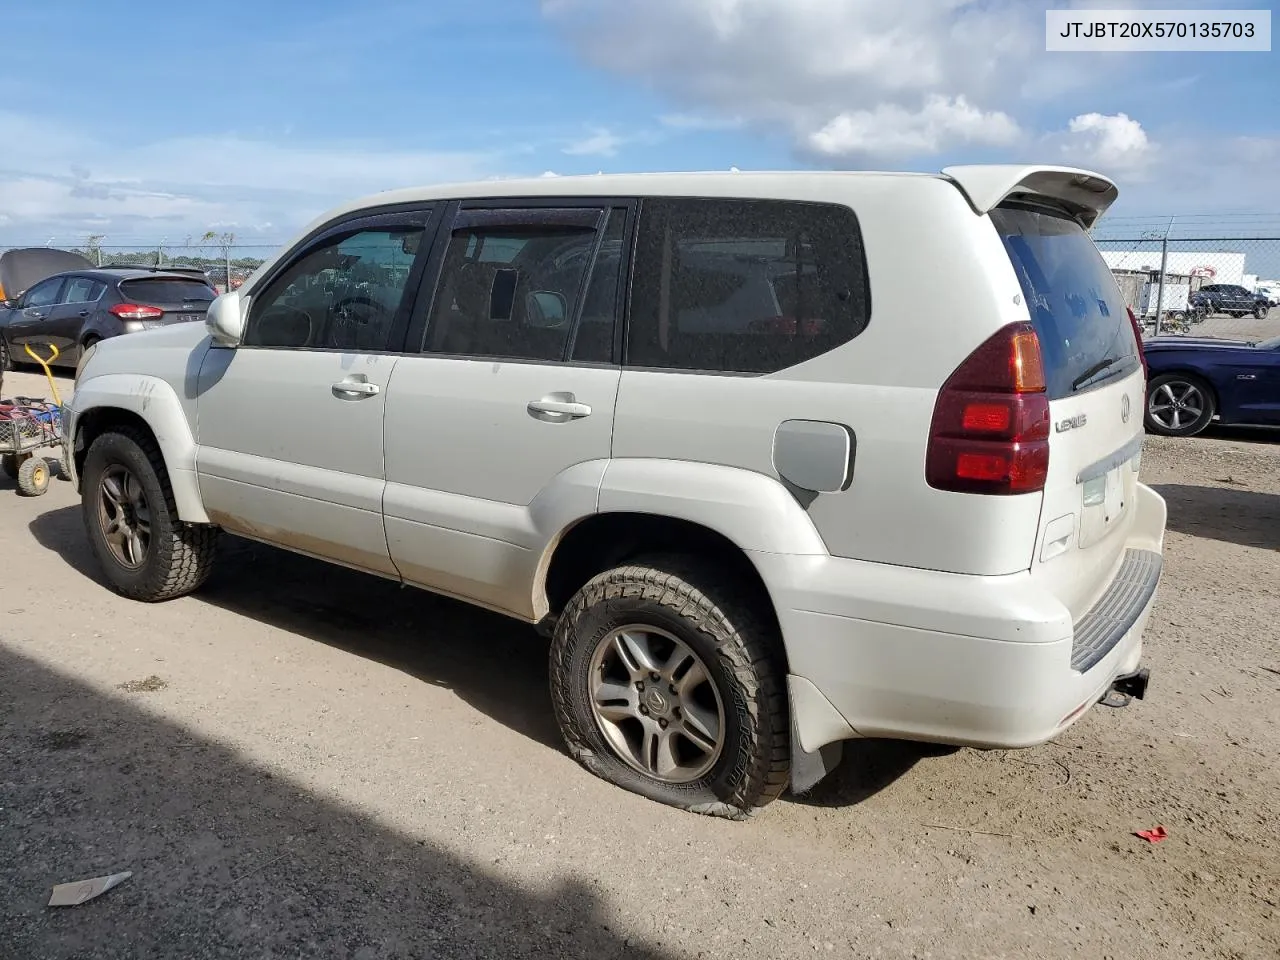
x=1126, y=688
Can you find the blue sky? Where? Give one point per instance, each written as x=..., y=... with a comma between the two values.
x=145, y=119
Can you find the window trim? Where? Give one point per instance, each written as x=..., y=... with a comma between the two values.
x=623, y=350
x=454, y=212
x=422, y=215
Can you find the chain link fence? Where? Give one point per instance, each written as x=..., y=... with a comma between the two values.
x=1221, y=287
x=236, y=261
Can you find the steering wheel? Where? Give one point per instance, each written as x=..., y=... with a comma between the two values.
x=351, y=316
x=283, y=325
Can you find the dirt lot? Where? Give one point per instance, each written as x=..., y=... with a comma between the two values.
x=304, y=761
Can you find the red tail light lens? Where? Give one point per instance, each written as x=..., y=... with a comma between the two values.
x=1137, y=340
x=990, y=430
x=136, y=311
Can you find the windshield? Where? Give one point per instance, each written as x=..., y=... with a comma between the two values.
x=1076, y=308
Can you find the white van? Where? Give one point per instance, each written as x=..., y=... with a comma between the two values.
x=776, y=460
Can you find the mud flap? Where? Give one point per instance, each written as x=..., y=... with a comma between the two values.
x=809, y=769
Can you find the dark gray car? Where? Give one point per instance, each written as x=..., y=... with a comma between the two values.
x=75, y=309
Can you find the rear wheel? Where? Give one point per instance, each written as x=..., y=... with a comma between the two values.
x=11, y=463
x=1178, y=405
x=33, y=477
x=146, y=552
x=667, y=682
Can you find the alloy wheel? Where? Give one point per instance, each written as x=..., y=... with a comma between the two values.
x=656, y=704
x=125, y=516
x=1176, y=404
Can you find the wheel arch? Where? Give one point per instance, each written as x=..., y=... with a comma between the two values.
x=602, y=541
x=145, y=403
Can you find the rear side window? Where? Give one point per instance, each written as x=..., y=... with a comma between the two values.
x=1076, y=308
x=744, y=286
x=160, y=291
x=83, y=290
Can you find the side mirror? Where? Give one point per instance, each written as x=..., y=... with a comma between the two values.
x=547, y=308
x=225, y=319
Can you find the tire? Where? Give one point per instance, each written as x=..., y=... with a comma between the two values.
x=1260, y=311
x=673, y=606
x=6, y=361
x=33, y=477
x=64, y=466
x=158, y=558
x=1179, y=405
x=11, y=463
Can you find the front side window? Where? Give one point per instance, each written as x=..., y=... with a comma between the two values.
x=513, y=282
x=43, y=294
x=749, y=286
x=342, y=295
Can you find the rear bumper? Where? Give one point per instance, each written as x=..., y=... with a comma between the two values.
x=980, y=661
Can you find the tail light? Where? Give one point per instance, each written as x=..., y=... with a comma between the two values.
x=136, y=311
x=1137, y=340
x=990, y=430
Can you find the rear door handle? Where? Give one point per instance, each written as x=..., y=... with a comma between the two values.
x=354, y=389
x=558, y=408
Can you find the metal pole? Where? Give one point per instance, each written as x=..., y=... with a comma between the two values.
x=1164, y=270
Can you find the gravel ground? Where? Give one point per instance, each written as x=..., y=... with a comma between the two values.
x=304, y=761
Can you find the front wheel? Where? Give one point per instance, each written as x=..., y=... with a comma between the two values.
x=33, y=477
x=146, y=552
x=1260, y=311
x=1178, y=405
x=667, y=681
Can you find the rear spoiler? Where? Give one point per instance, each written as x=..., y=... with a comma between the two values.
x=1084, y=193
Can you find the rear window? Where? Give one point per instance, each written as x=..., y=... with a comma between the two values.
x=1075, y=305
x=745, y=286
x=161, y=291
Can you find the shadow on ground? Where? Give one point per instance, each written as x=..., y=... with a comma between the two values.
x=866, y=768
x=1246, y=517
x=494, y=663
x=227, y=859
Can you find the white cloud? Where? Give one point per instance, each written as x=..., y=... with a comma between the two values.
x=845, y=79
x=889, y=130
x=56, y=181
x=601, y=143
x=1116, y=142
x=695, y=121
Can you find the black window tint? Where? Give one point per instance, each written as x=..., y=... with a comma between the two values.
x=342, y=295
x=747, y=286
x=593, y=340
x=510, y=290
x=166, y=292
x=83, y=290
x=1076, y=308
x=43, y=294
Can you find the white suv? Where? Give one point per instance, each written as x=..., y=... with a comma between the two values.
x=777, y=460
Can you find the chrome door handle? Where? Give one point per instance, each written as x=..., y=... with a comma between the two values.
x=358, y=388
x=558, y=408
x=1246, y=376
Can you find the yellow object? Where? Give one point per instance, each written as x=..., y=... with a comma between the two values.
x=44, y=364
